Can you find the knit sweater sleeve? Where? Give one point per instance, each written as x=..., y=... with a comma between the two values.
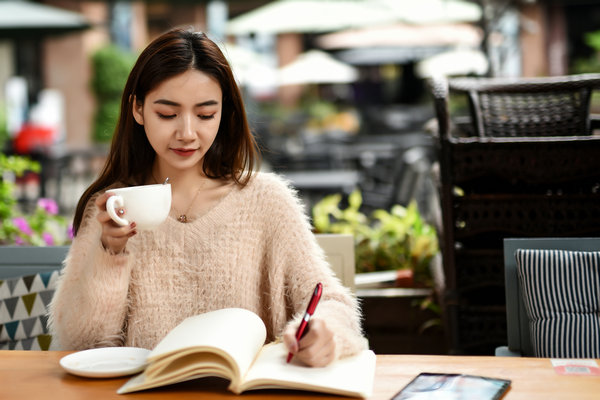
x=90, y=302
x=295, y=249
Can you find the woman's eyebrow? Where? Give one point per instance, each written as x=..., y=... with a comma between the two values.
x=175, y=104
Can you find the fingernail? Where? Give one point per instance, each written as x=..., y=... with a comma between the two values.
x=132, y=225
x=121, y=211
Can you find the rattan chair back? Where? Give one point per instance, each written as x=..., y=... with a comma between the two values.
x=528, y=107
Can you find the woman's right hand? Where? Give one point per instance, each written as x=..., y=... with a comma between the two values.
x=114, y=237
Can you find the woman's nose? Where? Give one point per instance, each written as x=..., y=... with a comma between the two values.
x=187, y=128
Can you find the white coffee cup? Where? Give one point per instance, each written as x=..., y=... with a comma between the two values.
x=146, y=205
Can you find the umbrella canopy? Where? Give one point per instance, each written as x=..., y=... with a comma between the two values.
x=434, y=11
x=316, y=67
x=454, y=63
x=251, y=70
x=333, y=15
x=309, y=16
x=23, y=18
x=402, y=34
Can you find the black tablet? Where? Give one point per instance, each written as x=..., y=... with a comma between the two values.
x=453, y=386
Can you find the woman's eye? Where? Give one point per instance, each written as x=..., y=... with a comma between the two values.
x=205, y=117
x=164, y=116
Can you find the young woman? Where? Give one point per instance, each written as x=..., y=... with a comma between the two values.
x=235, y=237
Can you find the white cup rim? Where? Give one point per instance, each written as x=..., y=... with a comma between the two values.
x=139, y=186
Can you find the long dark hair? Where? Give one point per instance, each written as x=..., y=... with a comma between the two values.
x=234, y=153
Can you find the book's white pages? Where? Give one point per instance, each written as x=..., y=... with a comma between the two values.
x=221, y=343
x=351, y=376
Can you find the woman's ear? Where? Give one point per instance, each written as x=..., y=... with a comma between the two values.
x=137, y=110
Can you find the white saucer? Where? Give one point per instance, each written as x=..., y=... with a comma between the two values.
x=106, y=362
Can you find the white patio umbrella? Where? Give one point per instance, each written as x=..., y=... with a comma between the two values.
x=403, y=34
x=454, y=63
x=334, y=15
x=250, y=69
x=433, y=11
x=316, y=67
x=24, y=18
x=309, y=16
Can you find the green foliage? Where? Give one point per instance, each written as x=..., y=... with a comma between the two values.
x=3, y=126
x=586, y=65
x=107, y=114
x=44, y=226
x=591, y=64
x=388, y=240
x=320, y=109
x=111, y=66
x=11, y=166
x=592, y=39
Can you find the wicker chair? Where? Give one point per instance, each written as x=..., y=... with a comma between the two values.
x=522, y=162
x=553, y=106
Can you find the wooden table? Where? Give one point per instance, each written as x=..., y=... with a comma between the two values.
x=35, y=375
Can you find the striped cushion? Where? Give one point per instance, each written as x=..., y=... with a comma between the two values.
x=561, y=293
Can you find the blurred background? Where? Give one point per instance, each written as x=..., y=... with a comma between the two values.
x=336, y=90
x=337, y=95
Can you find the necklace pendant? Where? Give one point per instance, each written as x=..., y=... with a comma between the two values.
x=182, y=218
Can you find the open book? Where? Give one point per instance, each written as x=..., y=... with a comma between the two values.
x=229, y=343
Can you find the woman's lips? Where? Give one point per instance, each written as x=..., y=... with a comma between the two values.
x=184, y=152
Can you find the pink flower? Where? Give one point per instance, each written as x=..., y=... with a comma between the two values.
x=70, y=232
x=22, y=225
x=49, y=205
x=19, y=241
x=48, y=239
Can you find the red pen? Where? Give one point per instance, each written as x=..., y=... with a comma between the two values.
x=310, y=310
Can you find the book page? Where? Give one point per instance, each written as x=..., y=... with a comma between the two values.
x=234, y=333
x=351, y=376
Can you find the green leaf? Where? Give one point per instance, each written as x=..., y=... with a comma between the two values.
x=355, y=200
x=385, y=240
x=592, y=39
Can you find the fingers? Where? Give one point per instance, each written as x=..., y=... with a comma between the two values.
x=101, y=200
x=317, y=347
x=289, y=338
x=114, y=237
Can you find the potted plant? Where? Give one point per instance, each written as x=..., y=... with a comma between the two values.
x=395, y=240
x=402, y=315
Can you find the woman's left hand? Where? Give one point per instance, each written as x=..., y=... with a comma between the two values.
x=316, y=348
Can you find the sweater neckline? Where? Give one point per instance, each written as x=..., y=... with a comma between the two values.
x=216, y=213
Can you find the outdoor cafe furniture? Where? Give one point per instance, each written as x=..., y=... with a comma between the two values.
x=521, y=160
x=38, y=375
x=28, y=276
x=549, y=312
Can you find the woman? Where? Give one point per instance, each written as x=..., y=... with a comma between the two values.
x=235, y=237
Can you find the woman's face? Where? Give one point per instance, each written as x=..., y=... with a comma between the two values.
x=181, y=117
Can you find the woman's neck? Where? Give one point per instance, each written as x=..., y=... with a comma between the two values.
x=184, y=182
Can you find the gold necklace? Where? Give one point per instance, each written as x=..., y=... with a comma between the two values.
x=183, y=217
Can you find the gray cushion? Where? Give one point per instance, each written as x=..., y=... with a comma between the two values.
x=561, y=293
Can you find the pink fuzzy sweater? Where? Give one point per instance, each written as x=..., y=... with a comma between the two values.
x=253, y=250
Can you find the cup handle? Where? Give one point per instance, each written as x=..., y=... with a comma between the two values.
x=111, y=204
